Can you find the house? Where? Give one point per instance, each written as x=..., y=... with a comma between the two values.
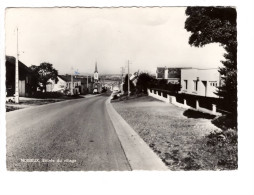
x=24, y=77
x=172, y=75
x=64, y=84
x=59, y=86
x=202, y=82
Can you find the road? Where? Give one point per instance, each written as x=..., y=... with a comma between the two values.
x=66, y=136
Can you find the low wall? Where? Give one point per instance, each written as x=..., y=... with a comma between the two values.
x=172, y=100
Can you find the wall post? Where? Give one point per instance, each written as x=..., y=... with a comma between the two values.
x=214, y=108
x=173, y=99
x=197, y=104
x=168, y=98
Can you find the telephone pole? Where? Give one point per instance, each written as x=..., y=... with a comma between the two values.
x=87, y=83
x=128, y=79
x=17, y=72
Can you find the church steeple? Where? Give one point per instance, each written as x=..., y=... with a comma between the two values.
x=96, y=70
x=96, y=74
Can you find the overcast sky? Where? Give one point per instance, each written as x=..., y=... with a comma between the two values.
x=77, y=37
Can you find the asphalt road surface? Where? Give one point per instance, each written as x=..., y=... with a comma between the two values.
x=67, y=136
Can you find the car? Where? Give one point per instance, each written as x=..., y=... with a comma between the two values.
x=10, y=99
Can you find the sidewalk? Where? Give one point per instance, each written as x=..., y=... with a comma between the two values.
x=138, y=153
x=27, y=102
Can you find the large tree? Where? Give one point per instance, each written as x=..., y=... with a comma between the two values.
x=217, y=25
x=41, y=75
x=145, y=81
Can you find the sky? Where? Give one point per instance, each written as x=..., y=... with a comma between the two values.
x=73, y=39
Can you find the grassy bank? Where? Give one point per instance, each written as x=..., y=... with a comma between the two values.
x=184, y=140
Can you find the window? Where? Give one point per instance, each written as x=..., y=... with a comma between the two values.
x=186, y=84
x=195, y=85
x=213, y=83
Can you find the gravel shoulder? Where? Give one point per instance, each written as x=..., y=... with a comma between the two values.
x=178, y=140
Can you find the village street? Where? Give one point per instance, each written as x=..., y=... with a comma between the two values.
x=68, y=135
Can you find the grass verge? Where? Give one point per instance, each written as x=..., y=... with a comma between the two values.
x=184, y=141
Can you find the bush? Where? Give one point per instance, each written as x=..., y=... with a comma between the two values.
x=45, y=95
x=223, y=144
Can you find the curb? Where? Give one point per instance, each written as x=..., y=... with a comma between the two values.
x=138, y=153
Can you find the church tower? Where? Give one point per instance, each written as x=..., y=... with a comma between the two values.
x=96, y=84
x=96, y=74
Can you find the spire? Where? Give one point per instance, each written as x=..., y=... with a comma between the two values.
x=96, y=67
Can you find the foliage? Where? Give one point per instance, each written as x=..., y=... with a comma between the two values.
x=217, y=25
x=223, y=144
x=125, y=85
x=145, y=81
x=45, y=95
x=41, y=74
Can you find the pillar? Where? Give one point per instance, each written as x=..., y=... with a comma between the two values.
x=197, y=104
x=184, y=102
x=214, y=109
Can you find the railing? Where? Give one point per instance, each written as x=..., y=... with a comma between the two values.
x=191, y=104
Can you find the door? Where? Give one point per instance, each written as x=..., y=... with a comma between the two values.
x=22, y=88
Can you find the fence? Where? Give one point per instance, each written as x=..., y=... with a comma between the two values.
x=180, y=101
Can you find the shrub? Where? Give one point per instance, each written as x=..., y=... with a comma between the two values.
x=45, y=95
x=223, y=144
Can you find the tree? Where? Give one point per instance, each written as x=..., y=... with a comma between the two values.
x=125, y=85
x=145, y=81
x=34, y=78
x=41, y=74
x=217, y=25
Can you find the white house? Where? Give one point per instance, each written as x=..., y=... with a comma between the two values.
x=64, y=83
x=60, y=86
x=202, y=82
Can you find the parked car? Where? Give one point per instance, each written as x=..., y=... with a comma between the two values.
x=116, y=94
x=10, y=99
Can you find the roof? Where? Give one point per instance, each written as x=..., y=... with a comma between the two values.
x=174, y=67
x=67, y=78
x=12, y=60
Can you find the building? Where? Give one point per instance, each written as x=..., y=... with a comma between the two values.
x=86, y=84
x=64, y=84
x=172, y=75
x=97, y=87
x=24, y=77
x=202, y=82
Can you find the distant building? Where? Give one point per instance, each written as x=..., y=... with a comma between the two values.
x=64, y=84
x=24, y=77
x=86, y=85
x=172, y=75
x=97, y=87
x=202, y=82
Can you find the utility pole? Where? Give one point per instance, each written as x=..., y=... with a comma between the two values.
x=17, y=72
x=87, y=83
x=128, y=79
x=71, y=84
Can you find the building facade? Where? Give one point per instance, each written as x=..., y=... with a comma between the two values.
x=24, y=78
x=202, y=82
x=64, y=84
x=172, y=75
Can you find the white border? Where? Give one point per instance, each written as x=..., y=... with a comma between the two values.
x=202, y=182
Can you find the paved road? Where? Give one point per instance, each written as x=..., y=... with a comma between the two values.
x=78, y=132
